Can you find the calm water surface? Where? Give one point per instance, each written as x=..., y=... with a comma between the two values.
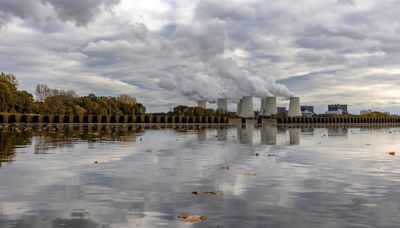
x=321, y=177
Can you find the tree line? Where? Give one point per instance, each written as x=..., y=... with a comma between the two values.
x=50, y=101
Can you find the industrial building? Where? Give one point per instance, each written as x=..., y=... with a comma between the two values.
x=282, y=110
x=337, y=109
x=307, y=111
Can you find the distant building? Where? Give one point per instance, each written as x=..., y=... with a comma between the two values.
x=337, y=109
x=307, y=111
x=281, y=110
x=364, y=112
x=307, y=107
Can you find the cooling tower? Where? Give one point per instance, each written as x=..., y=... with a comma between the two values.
x=263, y=106
x=294, y=107
x=239, y=107
x=270, y=106
x=202, y=104
x=246, y=109
x=222, y=105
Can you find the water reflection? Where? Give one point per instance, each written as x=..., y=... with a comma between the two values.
x=294, y=135
x=268, y=134
x=146, y=178
x=245, y=132
x=9, y=142
x=222, y=134
x=338, y=132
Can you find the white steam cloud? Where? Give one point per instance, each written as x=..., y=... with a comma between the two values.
x=221, y=78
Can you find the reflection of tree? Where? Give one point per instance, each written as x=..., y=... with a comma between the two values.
x=53, y=140
x=45, y=141
x=9, y=142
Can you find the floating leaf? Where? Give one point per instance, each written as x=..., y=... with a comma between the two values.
x=225, y=167
x=191, y=219
x=208, y=193
x=368, y=205
x=249, y=174
x=392, y=153
x=96, y=162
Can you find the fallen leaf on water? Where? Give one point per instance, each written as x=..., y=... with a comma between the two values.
x=225, y=167
x=249, y=174
x=257, y=154
x=392, y=153
x=208, y=193
x=192, y=218
x=96, y=162
x=271, y=155
x=368, y=205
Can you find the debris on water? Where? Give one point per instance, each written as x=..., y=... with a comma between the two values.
x=96, y=162
x=271, y=155
x=149, y=151
x=257, y=154
x=140, y=139
x=249, y=174
x=368, y=205
x=390, y=132
x=208, y=193
x=225, y=167
x=392, y=153
x=192, y=219
x=367, y=144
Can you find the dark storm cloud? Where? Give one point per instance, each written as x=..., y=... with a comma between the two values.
x=80, y=11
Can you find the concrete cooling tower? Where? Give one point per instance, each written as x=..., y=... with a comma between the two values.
x=270, y=106
x=294, y=107
x=239, y=107
x=246, y=109
x=222, y=105
x=202, y=104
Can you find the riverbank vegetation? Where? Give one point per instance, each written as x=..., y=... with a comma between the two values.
x=51, y=101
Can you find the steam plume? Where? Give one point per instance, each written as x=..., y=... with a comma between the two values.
x=221, y=78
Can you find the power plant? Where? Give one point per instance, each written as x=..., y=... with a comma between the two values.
x=239, y=107
x=294, y=107
x=268, y=106
x=222, y=105
x=246, y=107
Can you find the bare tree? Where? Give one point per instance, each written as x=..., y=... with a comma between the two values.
x=42, y=92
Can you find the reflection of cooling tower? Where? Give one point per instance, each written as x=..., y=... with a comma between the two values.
x=294, y=107
x=222, y=105
x=245, y=132
x=268, y=134
x=239, y=107
x=294, y=135
x=222, y=134
x=201, y=134
x=202, y=104
x=246, y=109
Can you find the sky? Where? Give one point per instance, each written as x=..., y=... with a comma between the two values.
x=170, y=52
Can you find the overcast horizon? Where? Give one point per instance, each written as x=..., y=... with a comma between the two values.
x=326, y=52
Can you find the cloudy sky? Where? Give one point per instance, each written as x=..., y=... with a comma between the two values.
x=167, y=52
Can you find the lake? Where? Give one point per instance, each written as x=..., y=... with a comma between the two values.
x=265, y=176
